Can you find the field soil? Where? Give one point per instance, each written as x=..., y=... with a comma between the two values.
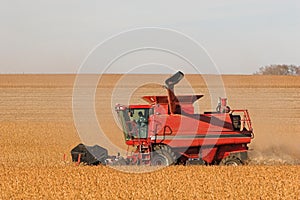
x=42, y=117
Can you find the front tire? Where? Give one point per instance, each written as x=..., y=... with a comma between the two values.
x=163, y=156
x=159, y=160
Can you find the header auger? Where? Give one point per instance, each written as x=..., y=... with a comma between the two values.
x=167, y=131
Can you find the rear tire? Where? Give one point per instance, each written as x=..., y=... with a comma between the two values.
x=163, y=156
x=231, y=160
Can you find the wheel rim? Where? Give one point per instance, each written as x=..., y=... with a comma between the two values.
x=160, y=160
x=231, y=163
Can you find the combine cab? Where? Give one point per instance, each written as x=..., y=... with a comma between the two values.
x=167, y=131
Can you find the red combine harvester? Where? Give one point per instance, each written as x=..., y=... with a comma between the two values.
x=167, y=131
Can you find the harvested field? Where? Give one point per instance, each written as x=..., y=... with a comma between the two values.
x=37, y=129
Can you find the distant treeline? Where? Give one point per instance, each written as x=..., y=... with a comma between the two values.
x=279, y=70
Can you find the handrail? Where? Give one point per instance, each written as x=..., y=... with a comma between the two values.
x=165, y=128
x=246, y=118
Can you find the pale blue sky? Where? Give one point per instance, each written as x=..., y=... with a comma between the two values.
x=56, y=36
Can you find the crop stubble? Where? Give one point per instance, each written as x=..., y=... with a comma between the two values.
x=37, y=129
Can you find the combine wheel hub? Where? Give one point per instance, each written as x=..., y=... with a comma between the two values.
x=231, y=160
x=159, y=160
x=163, y=156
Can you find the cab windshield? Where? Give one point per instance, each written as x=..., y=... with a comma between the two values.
x=134, y=122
